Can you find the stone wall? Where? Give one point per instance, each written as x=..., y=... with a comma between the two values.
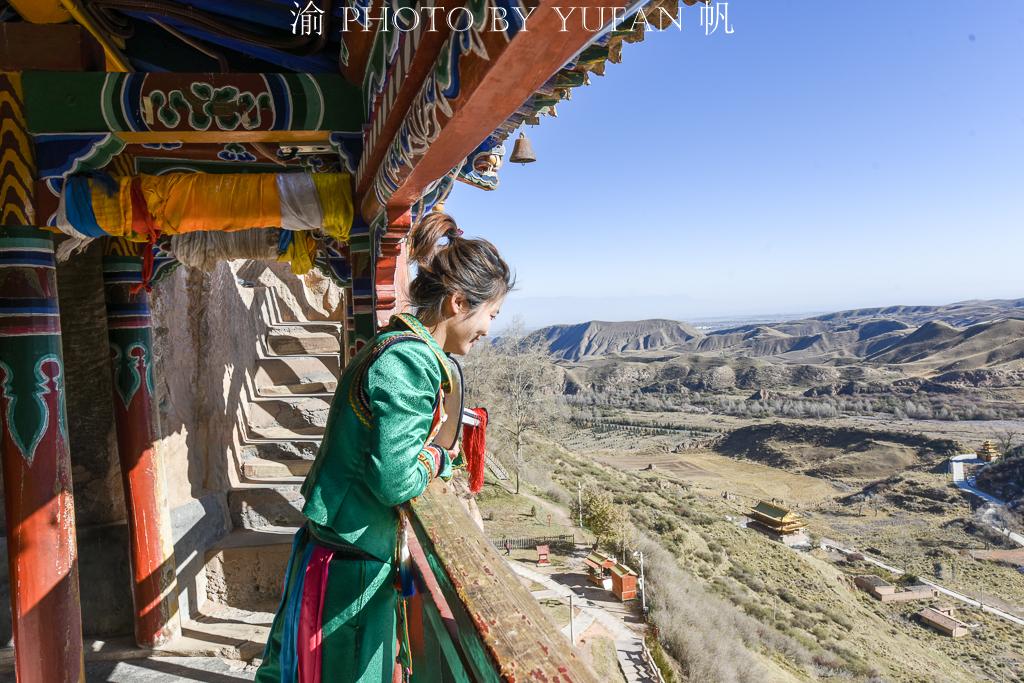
x=205, y=330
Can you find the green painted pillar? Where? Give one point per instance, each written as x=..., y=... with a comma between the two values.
x=42, y=552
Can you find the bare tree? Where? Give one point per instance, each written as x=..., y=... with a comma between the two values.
x=1007, y=439
x=519, y=384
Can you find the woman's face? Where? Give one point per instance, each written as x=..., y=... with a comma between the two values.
x=467, y=326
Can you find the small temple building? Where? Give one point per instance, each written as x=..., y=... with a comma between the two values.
x=884, y=591
x=988, y=452
x=778, y=523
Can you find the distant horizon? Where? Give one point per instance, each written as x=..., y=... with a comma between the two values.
x=526, y=308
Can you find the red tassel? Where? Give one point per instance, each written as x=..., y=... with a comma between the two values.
x=143, y=223
x=474, y=440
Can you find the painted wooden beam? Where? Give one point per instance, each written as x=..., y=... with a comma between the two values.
x=305, y=137
x=486, y=85
x=356, y=45
x=415, y=57
x=197, y=107
x=502, y=633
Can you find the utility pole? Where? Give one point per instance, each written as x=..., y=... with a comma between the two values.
x=643, y=583
x=572, y=626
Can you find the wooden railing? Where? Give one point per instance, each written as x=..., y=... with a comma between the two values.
x=651, y=663
x=473, y=620
x=564, y=541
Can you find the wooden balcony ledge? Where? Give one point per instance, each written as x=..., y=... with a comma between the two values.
x=472, y=616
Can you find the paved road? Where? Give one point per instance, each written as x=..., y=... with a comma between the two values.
x=956, y=468
x=629, y=644
x=829, y=543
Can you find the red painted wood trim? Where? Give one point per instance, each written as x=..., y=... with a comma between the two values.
x=491, y=90
x=423, y=61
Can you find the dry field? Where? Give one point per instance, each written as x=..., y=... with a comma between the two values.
x=828, y=629
x=717, y=474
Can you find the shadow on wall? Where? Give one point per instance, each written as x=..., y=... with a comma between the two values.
x=204, y=341
x=207, y=327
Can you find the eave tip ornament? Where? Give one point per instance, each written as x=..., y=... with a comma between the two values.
x=522, y=153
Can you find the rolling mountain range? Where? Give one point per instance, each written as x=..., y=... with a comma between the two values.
x=961, y=336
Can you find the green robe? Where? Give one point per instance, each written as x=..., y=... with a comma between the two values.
x=374, y=456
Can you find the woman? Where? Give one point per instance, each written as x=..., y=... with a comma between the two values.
x=337, y=620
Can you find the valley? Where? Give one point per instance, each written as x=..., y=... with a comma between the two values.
x=847, y=420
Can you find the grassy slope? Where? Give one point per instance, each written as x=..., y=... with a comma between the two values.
x=798, y=596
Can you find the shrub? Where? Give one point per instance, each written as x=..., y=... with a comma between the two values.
x=710, y=637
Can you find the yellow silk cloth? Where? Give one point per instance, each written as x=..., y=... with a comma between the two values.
x=300, y=253
x=335, y=192
x=114, y=213
x=185, y=202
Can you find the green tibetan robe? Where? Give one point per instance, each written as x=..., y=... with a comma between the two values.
x=376, y=454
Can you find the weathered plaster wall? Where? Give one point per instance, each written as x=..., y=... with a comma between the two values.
x=206, y=330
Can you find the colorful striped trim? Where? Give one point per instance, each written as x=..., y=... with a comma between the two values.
x=417, y=328
x=129, y=322
x=427, y=463
x=357, y=396
x=437, y=455
x=18, y=258
x=12, y=325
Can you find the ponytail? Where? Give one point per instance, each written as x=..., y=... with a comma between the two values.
x=472, y=267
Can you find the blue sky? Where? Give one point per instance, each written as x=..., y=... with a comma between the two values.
x=826, y=155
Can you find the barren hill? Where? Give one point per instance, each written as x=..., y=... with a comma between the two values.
x=927, y=339
x=960, y=314
x=947, y=348
x=597, y=338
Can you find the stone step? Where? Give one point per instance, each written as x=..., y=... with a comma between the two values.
x=262, y=468
x=318, y=389
x=305, y=416
x=246, y=568
x=223, y=631
x=163, y=669
x=300, y=343
x=277, y=310
x=268, y=503
x=273, y=433
x=281, y=451
x=218, y=639
x=296, y=370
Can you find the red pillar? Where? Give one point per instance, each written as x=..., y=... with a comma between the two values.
x=155, y=589
x=42, y=551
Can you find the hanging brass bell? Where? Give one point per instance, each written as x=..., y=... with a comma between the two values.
x=522, y=153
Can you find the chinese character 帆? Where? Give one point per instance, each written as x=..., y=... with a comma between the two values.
x=710, y=16
x=308, y=21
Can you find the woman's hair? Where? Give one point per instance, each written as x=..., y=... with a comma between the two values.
x=470, y=266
